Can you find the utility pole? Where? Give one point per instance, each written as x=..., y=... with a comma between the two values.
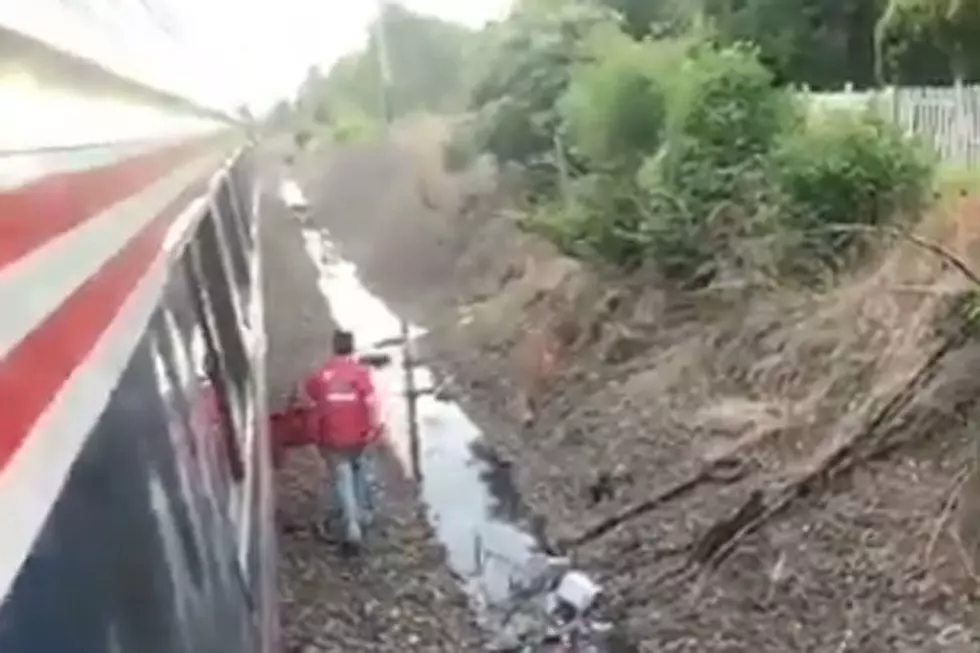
x=408, y=362
x=411, y=402
x=384, y=65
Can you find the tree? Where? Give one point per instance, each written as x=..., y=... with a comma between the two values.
x=427, y=56
x=658, y=17
x=528, y=63
x=929, y=41
x=641, y=18
x=822, y=43
x=280, y=116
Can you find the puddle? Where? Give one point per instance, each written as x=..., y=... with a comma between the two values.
x=470, y=497
x=471, y=500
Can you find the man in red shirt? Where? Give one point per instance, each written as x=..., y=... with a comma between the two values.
x=347, y=424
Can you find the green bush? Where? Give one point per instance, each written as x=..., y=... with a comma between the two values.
x=613, y=115
x=524, y=73
x=688, y=154
x=675, y=136
x=724, y=113
x=598, y=220
x=706, y=185
x=848, y=168
x=615, y=109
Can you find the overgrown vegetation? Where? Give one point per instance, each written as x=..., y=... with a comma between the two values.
x=846, y=168
x=527, y=63
x=823, y=44
x=668, y=132
x=680, y=149
x=929, y=41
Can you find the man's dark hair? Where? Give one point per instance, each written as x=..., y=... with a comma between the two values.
x=343, y=342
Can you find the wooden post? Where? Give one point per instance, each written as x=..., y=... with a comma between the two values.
x=411, y=402
x=564, y=176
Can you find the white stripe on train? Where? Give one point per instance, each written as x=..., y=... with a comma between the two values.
x=21, y=168
x=35, y=476
x=32, y=288
x=36, y=112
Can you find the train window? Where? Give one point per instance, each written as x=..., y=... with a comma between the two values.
x=231, y=233
x=206, y=255
x=172, y=373
x=217, y=390
x=177, y=334
x=184, y=350
x=185, y=449
x=209, y=423
x=241, y=187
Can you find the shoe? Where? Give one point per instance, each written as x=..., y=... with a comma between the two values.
x=350, y=549
x=324, y=531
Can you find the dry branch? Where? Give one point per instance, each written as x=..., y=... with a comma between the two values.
x=723, y=471
x=923, y=243
x=844, y=457
x=948, y=505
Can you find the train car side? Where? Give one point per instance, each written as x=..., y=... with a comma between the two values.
x=140, y=488
x=135, y=472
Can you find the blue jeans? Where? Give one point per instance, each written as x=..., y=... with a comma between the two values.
x=351, y=475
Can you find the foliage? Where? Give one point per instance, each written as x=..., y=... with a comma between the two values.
x=667, y=131
x=640, y=18
x=599, y=219
x=352, y=125
x=655, y=17
x=706, y=183
x=929, y=41
x=724, y=111
x=687, y=150
x=847, y=168
x=821, y=43
x=526, y=70
x=428, y=58
x=614, y=110
x=669, y=122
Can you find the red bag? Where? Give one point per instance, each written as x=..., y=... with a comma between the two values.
x=290, y=428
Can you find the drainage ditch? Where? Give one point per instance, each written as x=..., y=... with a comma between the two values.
x=521, y=596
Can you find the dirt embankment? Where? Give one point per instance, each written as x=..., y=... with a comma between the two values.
x=746, y=468
x=399, y=597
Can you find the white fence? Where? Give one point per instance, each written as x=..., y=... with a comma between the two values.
x=946, y=118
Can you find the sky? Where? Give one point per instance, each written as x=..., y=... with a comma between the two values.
x=275, y=42
x=223, y=53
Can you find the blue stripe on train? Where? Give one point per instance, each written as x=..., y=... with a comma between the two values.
x=137, y=555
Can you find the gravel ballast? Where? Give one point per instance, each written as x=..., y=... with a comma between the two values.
x=399, y=596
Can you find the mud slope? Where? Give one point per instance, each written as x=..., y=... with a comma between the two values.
x=839, y=517
x=399, y=598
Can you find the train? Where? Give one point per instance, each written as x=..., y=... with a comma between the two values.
x=136, y=480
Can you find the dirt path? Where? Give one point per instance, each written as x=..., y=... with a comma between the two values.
x=397, y=598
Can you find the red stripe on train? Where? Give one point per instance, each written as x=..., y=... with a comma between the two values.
x=34, y=214
x=33, y=373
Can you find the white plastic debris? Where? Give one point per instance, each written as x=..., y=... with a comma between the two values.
x=505, y=641
x=292, y=195
x=543, y=567
x=578, y=590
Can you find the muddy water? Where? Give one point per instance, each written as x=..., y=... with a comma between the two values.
x=470, y=499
